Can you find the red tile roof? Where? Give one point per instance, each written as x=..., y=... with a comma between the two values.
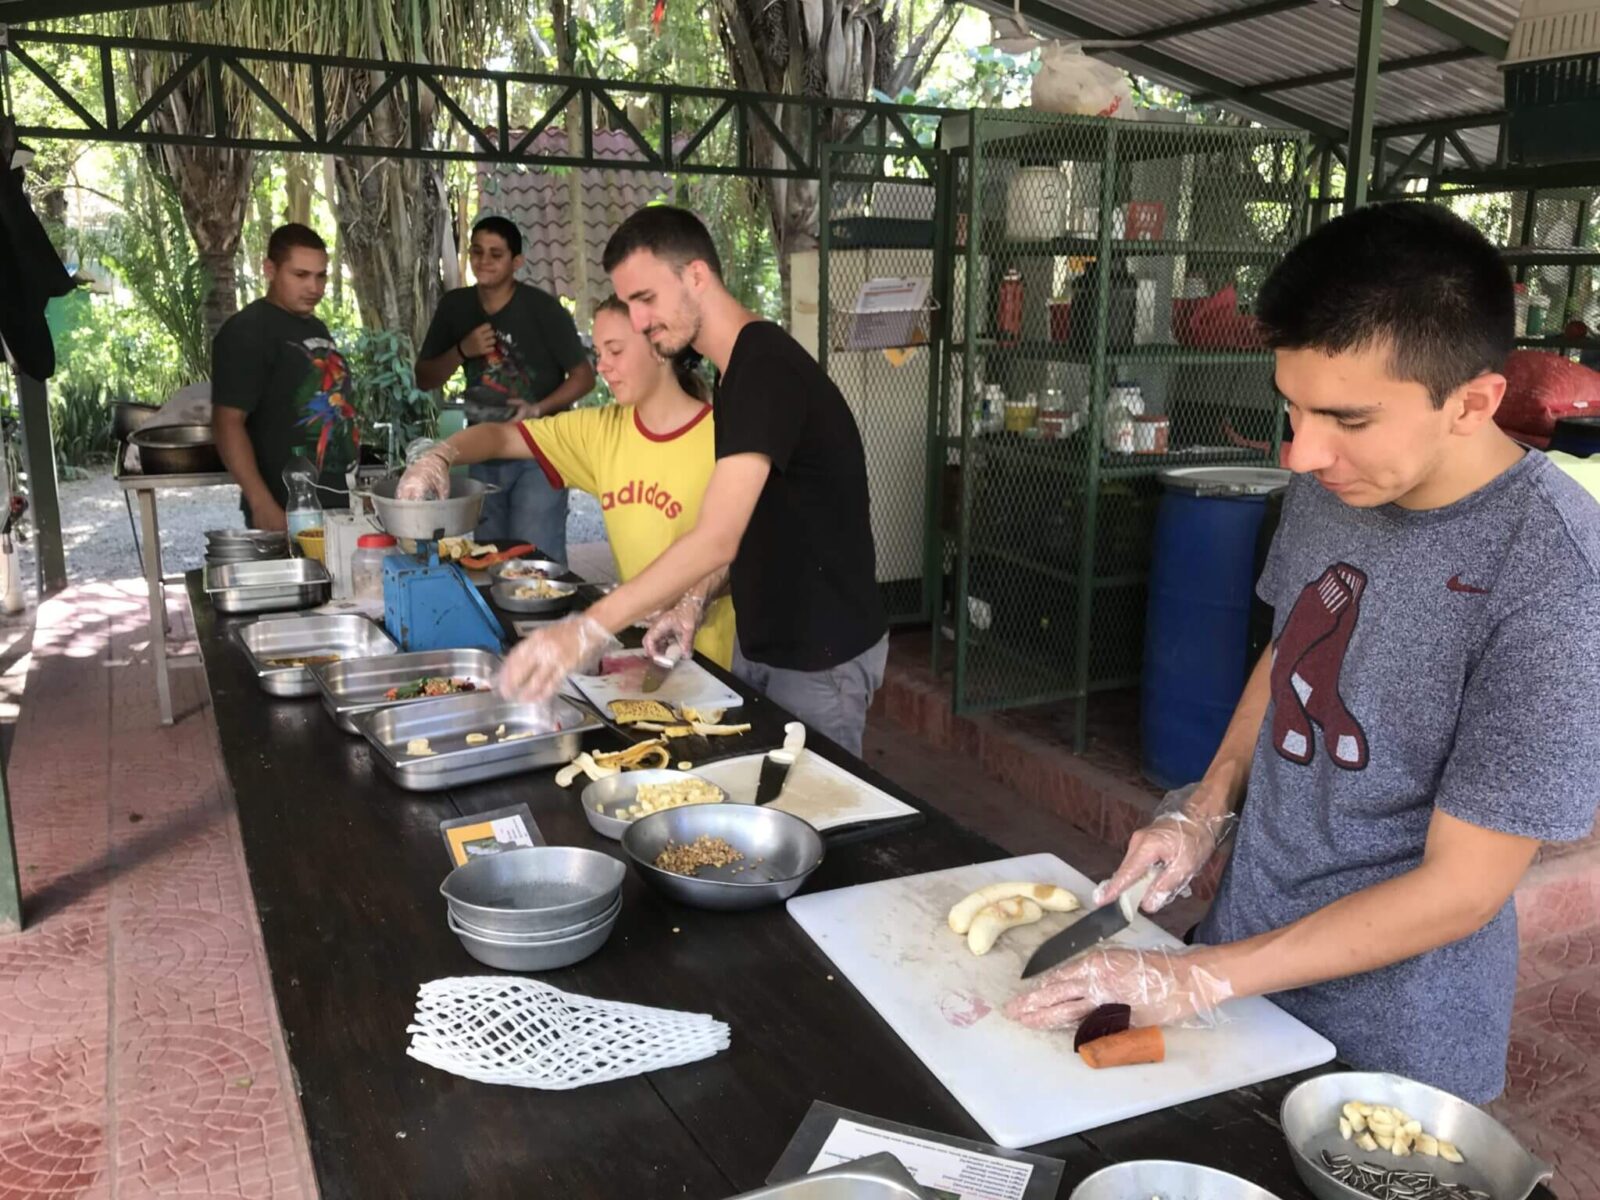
x=540, y=204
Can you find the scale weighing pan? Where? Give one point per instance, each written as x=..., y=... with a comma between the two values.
x=429, y=520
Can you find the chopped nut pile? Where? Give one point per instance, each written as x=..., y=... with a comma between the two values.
x=704, y=851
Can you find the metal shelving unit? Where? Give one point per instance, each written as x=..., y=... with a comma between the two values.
x=1043, y=542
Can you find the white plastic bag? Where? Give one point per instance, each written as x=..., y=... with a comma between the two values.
x=1069, y=81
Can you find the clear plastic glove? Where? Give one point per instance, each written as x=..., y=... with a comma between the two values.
x=427, y=473
x=1181, y=839
x=1162, y=987
x=676, y=627
x=539, y=664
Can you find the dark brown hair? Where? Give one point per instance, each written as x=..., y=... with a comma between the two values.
x=286, y=237
x=683, y=365
x=675, y=235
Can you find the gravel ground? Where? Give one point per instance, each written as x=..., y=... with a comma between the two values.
x=100, y=545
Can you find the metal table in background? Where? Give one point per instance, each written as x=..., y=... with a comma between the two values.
x=145, y=487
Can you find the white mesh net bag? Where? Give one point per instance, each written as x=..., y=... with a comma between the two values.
x=500, y=1029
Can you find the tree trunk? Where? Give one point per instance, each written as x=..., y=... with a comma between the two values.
x=213, y=184
x=562, y=15
x=297, y=186
x=822, y=48
x=389, y=214
x=222, y=298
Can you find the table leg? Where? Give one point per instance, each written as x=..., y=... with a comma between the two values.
x=158, y=600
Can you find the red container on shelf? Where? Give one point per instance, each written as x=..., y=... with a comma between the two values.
x=1008, y=323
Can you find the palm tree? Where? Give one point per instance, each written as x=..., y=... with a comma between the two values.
x=389, y=211
x=843, y=49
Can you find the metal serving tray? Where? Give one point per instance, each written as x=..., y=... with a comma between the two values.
x=349, y=688
x=447, y=721
x=282, y=583
x=349, y=635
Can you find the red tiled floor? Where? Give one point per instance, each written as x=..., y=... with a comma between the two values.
x=140, y=1054
x=1568, y=1009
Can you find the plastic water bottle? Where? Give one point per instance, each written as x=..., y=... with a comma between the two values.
x=303, y=511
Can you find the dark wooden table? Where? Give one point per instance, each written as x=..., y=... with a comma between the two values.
x=346, y=867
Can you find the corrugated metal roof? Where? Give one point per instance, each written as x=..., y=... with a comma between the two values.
x=1497, y=16
x=1308, y=41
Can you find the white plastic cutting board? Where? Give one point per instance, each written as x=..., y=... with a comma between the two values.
x=1024, y=1086
x=816, y=790
x=688, y=684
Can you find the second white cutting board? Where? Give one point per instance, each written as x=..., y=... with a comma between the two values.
x=1024, y=1086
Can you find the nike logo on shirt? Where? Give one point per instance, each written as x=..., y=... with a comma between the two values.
x=1455, y=585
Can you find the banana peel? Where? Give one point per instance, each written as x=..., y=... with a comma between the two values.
x=641, y=756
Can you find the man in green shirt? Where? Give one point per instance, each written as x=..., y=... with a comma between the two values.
x=522, y=358
x=279, y=387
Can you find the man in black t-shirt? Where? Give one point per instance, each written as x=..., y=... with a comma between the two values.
x=279, y=387
x=784, y=521
x=522, y=358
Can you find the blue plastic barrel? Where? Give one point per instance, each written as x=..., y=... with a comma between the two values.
x=1197, y=627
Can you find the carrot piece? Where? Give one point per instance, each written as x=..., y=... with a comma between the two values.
x=481, y=561
x=1125, y=1049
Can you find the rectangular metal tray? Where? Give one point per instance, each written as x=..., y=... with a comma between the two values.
x=447, y=721
x=281, y=583
x=355, y=687
x=349, y=635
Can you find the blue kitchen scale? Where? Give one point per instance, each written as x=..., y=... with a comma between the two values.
x=432, y=605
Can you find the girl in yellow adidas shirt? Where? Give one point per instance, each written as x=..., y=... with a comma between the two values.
x=646, y=458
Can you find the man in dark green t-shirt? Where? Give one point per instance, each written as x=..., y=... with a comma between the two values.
x=279, y=387
x=522, y=358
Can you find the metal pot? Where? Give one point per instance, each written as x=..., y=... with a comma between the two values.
x=177, y=450
x=430, y=520
x=126, y=418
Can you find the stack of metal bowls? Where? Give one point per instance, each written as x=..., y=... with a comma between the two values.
x=534, y=909
x=225, y=546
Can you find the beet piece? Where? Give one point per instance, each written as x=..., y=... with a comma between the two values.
x=1102, y=1022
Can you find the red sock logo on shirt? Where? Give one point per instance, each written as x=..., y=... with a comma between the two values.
x=1306, y=664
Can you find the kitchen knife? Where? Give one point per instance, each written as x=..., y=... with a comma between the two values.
x=660, y=666
x=1091, y=929
x=774, y=773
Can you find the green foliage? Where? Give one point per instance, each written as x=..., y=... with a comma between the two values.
x=80, y=422
x=385, y=389
x=147, y=247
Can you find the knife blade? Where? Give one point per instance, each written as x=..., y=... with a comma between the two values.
x=774, y=774
x=660, y=666
x=1090, y=930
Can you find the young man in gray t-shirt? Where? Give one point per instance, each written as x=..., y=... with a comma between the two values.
x=1424, y=719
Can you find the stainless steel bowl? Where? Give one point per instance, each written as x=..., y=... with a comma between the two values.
x=535, y=890
x=1162, y=1177
x=430, y=520
x=533, y=939
x=504, y=593
x=779, y=850
x=1495, y=1162
x=176, y=450
x=508, y=569
x=533, y=956
x=876, y=1177
x=604, y=798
